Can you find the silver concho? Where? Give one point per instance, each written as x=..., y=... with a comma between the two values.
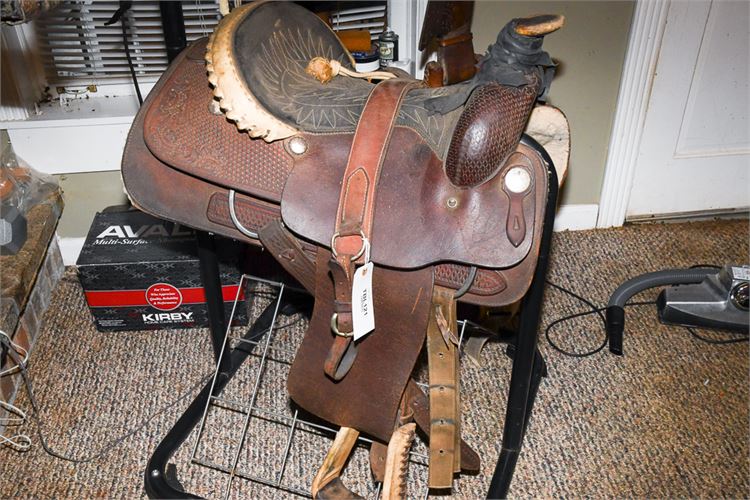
x=297, y=145
x=517, y=180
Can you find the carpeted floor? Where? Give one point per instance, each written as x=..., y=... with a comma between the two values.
x=669, y=419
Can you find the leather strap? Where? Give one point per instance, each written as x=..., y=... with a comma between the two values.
x=333, y=464
x=359, y=186
x=343, y=346
x=442, y=358
x=355, y=211
x=420, y=406
x=287, y=250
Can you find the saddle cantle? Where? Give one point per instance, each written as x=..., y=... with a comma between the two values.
x=445, y=204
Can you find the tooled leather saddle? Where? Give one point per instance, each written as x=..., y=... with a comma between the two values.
x=428, y=194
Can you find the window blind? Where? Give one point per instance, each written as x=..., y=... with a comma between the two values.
x=78, y=49
x=371, y=18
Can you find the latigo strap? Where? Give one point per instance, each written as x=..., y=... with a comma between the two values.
x=442, y=357
x=351, y=238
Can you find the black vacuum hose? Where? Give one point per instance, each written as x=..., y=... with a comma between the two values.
x=615, y=307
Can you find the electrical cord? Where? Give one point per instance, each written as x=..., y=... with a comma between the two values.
x=19, y=442
x=120, y=15
x=600, y=310
x=6, y=341
x=736, y=340
x=22, y=442
x=16, y=416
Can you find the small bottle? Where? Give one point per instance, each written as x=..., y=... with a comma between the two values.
x=388, y=48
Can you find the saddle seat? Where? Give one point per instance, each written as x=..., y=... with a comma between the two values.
x=257, y=61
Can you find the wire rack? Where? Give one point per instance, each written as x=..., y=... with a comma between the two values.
x=247, y=420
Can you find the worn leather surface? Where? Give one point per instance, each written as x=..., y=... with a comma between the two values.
x=289, y=252
x=165, y=192
x=181, y=131
x=445, y=410
x=181, y=160
x=414, y=224
x=336, y=490
x=368, y=397
x=187, y=79
x=360, y=186
x=420, y=404
x=487, y=132
x=159, y=188
x=273, y=44
x=431, y=220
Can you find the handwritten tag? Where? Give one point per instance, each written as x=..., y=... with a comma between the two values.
x=363, y=311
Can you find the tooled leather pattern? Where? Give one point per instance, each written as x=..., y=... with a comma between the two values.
x=253, y=214
x=189, y=83
x=487, y=282
x=436, y=129
x=283, y=41
x=487, y=132
x=222, y=155
x=287, y=85
x=288, y=251
x=337, y=105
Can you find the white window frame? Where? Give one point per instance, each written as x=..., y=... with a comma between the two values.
x=88, y=135
x=71, y=133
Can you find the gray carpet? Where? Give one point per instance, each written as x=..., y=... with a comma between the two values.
x=669, y=419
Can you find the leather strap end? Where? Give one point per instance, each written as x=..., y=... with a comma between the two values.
x=335, y=356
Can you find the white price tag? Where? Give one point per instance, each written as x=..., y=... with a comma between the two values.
x=363, y=311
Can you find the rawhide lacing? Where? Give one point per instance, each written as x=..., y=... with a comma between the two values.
x=325, y=69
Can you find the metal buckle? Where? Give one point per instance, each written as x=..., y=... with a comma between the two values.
x=236, y=221
x=335, y=327
x=365, y=247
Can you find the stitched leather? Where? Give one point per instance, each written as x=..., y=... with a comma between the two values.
x=359, y=187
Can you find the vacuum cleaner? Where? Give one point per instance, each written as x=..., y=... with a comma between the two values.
x=701, y=297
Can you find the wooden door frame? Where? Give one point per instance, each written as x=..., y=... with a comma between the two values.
x=644, y=44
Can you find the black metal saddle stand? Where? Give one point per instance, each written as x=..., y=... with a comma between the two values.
x=528, y=364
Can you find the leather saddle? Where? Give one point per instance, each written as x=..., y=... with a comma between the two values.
x=427, y=194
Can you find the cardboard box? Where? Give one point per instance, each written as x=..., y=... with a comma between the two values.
x=142, y=273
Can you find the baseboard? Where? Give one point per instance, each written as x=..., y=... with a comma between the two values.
x=576, y=217
x=70, y=248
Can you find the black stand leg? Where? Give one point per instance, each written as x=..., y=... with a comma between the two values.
x=520, y=399
x=528, y=364
x=211, y=280
x=538, y=372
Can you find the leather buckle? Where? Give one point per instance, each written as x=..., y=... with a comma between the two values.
x=365, y=248
x=335, y=327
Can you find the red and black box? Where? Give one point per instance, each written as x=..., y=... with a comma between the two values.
x=142, y=273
